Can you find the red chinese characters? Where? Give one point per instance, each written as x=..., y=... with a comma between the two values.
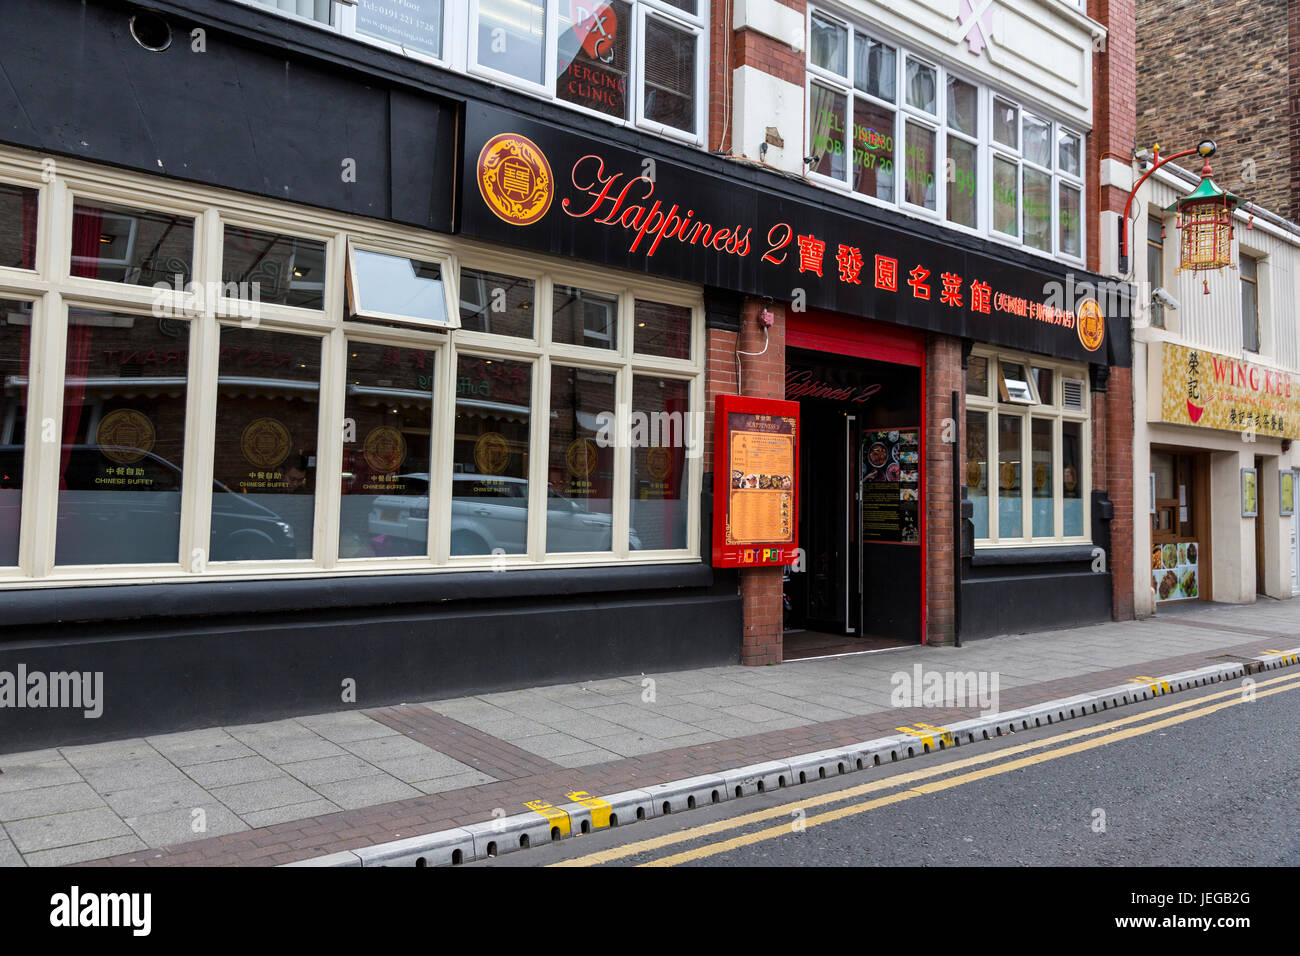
x=886, y=273
x=951, y=292
x=849, y=259
x=811, y=250
x=916, y=279
x=981, y=294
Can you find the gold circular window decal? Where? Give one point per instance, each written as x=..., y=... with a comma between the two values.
x=265, y=443
x=491, y=453
x=125, y=436
x=582, y=457
x=385, y=449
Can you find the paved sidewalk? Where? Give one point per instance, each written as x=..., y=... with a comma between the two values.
x=294, y=789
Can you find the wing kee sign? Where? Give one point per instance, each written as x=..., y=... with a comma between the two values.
x=534, y=185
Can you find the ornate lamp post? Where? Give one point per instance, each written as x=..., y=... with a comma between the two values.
x=1204, y=218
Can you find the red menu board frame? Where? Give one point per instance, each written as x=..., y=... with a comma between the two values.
x=750, y=553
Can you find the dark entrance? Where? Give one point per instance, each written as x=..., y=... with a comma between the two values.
x=860, y=513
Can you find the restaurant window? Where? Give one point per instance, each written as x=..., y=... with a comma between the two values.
x=1156, y=267
x=132, y=246
x=340, y=426
x=15, y=374
x=18, y=209
x=891, y=127
x=387, y=447
x=122, y=447
x=1028, y=438
x=489, y=481
x=583, y=317
x=1248, y=269
x=265, y=446
x=391, y=288
x=269, y=268
x=496, y=303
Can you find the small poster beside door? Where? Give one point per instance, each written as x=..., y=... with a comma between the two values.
x=756, y=481
x=891, y=485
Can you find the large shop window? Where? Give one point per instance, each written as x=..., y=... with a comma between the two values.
x=1026, y=450
x=234, y=405
x=892, y=127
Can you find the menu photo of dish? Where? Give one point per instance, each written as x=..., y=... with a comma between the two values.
x=1175, y=574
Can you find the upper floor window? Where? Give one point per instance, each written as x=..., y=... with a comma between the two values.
x=633, y=61
x=894, y=127
x=1156, y=267
x=1248, y=267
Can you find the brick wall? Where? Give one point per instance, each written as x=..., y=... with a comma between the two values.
x=730, y=49
x=1114, y=113
x=1220, y=71
x=1119, y=487
x=760, y=376
x=943, y=375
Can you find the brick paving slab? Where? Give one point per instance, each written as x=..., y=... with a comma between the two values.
x=521, y=775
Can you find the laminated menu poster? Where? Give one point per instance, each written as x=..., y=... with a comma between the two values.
x=1175, y=573
x=891, y=485
x=760, y=497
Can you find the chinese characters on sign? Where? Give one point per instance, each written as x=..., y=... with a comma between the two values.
x=1209, y=390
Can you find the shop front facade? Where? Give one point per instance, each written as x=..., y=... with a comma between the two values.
x=308, y=415
x=1217, y=413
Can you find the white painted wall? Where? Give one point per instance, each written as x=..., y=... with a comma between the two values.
x=760, y=100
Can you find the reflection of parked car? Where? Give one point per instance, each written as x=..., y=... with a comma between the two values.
x=111, y=523
x=488, y=512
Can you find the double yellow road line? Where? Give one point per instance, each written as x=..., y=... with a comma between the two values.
x=908, y=786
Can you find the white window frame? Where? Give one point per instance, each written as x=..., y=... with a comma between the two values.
x=986, y=147
x=1050, y=408
x=52, y=291
x=460, y=53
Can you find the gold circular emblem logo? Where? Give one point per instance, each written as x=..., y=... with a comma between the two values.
x=265, y=443
x=125, y=436
x=515, y=179
x=658, y=462
x=974, y=474
x=582, y=457
x=1040, y=476
x=1091, y=324
x=385, y=449
x=491, y=453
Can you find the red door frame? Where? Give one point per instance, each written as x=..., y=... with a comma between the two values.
x=861, y=338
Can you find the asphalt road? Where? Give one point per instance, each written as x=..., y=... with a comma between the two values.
x=1195, y=779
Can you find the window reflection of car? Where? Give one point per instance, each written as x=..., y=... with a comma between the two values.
x=487, y=512
x=121, y=523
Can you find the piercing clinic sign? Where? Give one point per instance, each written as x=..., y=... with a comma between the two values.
x=547, y=189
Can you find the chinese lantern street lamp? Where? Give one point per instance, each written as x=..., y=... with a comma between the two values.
x=1204, y=218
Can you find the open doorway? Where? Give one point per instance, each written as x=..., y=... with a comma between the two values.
x=860, y=509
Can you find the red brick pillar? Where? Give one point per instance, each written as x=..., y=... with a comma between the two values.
x=1119, y=488
x=760, y=376
x=943, y=375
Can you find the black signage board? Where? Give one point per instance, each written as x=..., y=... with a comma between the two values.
x=535, y=185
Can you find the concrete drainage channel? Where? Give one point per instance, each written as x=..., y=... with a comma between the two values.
x=547, y=824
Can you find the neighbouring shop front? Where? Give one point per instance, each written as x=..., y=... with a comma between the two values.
x=1222, y=477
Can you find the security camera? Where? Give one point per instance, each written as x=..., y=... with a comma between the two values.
x=1165, y=299
x=812, y=160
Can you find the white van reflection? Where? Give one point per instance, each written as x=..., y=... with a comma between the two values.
x=488, y=512
x=137, y=521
